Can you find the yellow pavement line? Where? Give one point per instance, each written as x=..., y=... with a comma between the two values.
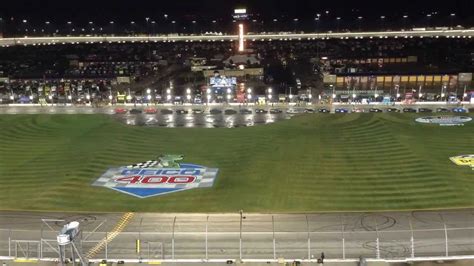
x=122, y=223
x=26, y=260
x=154, y=262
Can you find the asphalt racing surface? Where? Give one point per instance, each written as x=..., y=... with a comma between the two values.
x=264, y=236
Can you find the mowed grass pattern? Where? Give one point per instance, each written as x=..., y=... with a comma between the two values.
x=309, y=163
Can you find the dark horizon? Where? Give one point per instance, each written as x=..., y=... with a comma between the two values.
x=122, y=10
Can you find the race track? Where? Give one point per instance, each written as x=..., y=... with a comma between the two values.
x=296, y=236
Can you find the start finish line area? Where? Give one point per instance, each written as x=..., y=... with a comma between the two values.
x=148, y=237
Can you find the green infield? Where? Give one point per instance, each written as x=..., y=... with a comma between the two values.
x=347, y=162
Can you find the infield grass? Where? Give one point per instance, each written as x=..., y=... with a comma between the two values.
x=310, y=163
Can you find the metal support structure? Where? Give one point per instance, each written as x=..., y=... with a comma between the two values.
x=207, y=252
x=172, y=239
x=412, y=238
x=106, y=246
x=446, y=239
x=309, y=237
x=274, y=241
x=140, y=238
x=377, y=240
x=343, y=239
x=240, y=236
x=10, y=243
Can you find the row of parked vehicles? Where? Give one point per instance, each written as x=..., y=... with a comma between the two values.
x=152, y=110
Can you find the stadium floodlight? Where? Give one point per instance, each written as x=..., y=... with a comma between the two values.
x=310, y=96
x=50, y=97
x=168, y=91
x=249, y=90
x=69, y=97
x=376, y=95
x=291, y=96
x=11, y=97
x=188, y=97
x=188, y=91
x=31, y=97
x=354, y=95
x=168, y=97
x=442, y=95
x=270, y=90
x=334, y=96
x=241, y=37
x=88, y=97
x=464, y=95
x=208, y=91
x=229, y=90
x=110, y=97
x=148, y=91
x=208, y=97
x=229, y=96
x=398, y=95
x=249, y=96
x=240, y=11
x=148, y=97
x=420, y=95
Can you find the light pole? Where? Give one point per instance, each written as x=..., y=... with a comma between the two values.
x=269, y=94
x=452, y=16
x=405, y=18
x=188, y=94
x=208, y=95
x=359, y=21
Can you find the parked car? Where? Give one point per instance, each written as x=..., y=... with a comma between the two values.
x=308, y=110
x=324, y=110
x=357, y=110
x=293, y=111
x=230, y=112
x=181, y=111
x=275, y=111
x=245, y=111
x=342, y=110
x=424, y=110
x=197, y=111
x=215, y=111
x=150, y=110
x=120, y=110
x=166, y=111
x=260, y=111
x=442, y=110
x=393, y=110
x=375, y=110
x=459, y=110
x=409, y=110
x=135, y=111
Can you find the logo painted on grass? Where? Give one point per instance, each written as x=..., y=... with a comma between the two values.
x=157, y=177
x=464, y=160
x=444, y=120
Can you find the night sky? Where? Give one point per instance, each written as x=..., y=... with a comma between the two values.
x=97, y=10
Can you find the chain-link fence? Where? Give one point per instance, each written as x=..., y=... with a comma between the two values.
x=256, y=237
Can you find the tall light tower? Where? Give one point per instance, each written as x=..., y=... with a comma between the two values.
x=240, y=15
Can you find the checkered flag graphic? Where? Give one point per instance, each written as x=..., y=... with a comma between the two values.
x=147, y=164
